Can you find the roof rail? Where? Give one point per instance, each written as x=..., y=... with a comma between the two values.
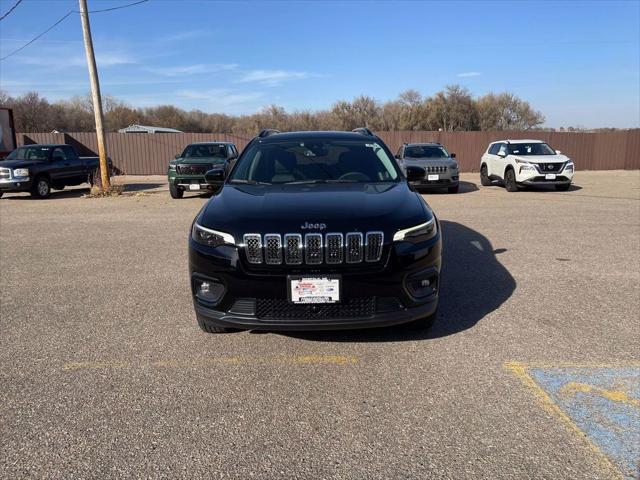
x=363, y=131
x=267, y=131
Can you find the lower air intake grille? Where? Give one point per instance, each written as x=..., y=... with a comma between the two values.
x=281, y=309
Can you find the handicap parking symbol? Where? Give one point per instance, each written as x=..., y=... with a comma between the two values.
x=602, y=402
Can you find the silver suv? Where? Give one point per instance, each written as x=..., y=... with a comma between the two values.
x=441, y=169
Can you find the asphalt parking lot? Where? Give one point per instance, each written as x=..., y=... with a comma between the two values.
x=530, y=372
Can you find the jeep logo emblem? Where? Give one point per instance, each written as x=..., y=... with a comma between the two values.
x=313, y=226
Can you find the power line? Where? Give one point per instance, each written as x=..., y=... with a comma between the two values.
x=11, y=9
x=36, y=38
x=117, y=8
x=60, y=21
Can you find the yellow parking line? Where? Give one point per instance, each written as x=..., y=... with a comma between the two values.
x=235, y=360
x=521, y=371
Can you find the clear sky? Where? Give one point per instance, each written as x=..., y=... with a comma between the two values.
x=576, y=61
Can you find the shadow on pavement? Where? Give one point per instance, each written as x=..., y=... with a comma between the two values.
x=474, y=284
x=139, y=187
x=73, y=192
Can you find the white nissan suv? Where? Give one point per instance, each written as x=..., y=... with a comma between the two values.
x=519, y=163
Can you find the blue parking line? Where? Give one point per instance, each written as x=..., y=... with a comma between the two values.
x=604, y=402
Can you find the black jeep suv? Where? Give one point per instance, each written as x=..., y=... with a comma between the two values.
x=314, y=230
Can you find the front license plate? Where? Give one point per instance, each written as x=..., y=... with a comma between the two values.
x=323, y=289
x=550, y=176
x=194, y=186
x=433, y=177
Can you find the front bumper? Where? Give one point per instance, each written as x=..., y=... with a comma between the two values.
x=380, y=318
x=535, y=177
x=15, y=184
x=372, y=295
x=185, y=182
x=444, y=180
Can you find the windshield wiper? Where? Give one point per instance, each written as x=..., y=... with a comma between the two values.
x=320, y=180
x=242, y=181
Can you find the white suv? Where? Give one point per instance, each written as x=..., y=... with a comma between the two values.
x=525, y=162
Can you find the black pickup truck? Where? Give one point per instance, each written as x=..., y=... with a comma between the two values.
x=40, y=168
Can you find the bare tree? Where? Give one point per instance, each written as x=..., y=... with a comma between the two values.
x=454, y=108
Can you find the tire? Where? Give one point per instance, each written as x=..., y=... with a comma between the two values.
x=424, y=323
x=211, y=329
x=41, y=187
x=455, y=189
x=485, y=181
x=175, y=192
x=563, y=187
x=510, y=180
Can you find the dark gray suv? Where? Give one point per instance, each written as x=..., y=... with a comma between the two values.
x=441, y=168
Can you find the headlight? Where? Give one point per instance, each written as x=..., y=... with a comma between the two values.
x=419, y=233
x=454, y=166
x=210, y=238
x=569, y=166
x=21, y=172
x=523, y=162
x=172, y=166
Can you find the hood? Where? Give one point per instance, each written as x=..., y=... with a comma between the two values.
x=19, y=163
x=542, y=158
x=431, y=162
x=386, y=207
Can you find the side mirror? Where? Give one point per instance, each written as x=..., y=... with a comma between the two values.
x=558, y=152
x=177, y=156
x=397, y=155
x=502, y=154
x=453, y=155
x=215, y=176
x=415, y=173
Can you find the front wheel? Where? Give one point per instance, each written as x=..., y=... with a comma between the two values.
x=41, y=188
x=563, y=187
x=485, y=181
x=175, y=192
x=510, y=181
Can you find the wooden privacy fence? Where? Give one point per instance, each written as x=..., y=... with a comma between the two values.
x=148, y=154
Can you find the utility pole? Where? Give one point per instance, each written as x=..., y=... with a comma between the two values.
x=95, y=95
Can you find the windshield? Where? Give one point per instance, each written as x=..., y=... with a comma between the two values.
x=530, y=149
x=31, y=153
x=425, y=151
x=315, y=161
x=205, y=151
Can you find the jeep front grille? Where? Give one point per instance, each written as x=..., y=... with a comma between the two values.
x=272, y=249
x=253, y=247
x=436, y=169
x=333, y=248
x=313, y=248
x=293, y=249
x=373, y=246
x=5, y=173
